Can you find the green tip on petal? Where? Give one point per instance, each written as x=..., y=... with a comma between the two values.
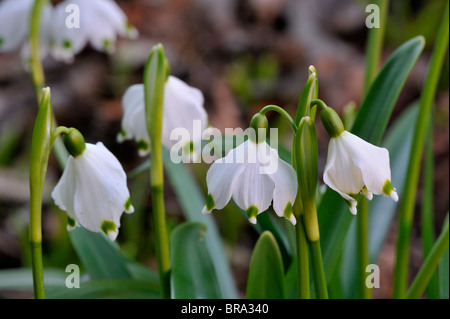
x=71, y=222
x=389, y=190
x=289, y=213
x=67, y=44
x=142, y=145
x=128, y=206
x=352, y=206
x=107, y=227
x=210, y=202
x=252, y=211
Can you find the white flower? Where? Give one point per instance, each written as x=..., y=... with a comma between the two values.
x=15, y=23
x=354, y=166
x=93, y=191
x=243, y=175
x=182, y=106
x=100, y=21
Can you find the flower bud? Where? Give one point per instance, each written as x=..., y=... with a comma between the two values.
x=259, y=125
x=331, y=121
x=74, y=142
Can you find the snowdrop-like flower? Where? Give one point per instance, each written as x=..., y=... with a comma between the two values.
x=244, y=176
x=100, y=22
x=183, y=105
x=15, y=23
x=93, y=190
x=354, y=165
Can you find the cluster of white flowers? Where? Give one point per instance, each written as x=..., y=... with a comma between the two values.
x=100, y=22
x=93, y=189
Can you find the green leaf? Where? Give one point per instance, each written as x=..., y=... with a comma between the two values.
x=382, y=210
x=309, y=93
x=108, y=288
x=193, y=274
x=191, y=199
x=266, y=274
x=99, y=255
x=370, y=124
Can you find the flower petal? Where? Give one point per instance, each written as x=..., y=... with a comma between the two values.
x=221, y=179
x=63, y=193
x=14, y=17
x=286, y=185
x=373, y=162
x=101, y=194
x=133, y=121
x=183, y=105
x=254, y=189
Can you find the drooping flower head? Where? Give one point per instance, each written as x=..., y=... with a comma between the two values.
x=93, y=188
x=183, y=105
x=253, y=175
x=64, y=29
x=100, y=22
x=353, y=165
x=15, y=23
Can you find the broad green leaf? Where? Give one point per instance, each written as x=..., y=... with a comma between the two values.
x=22, y=279
x=192, y=200
x=381, y=210
x=108, y=288
x=193, y=275
x=370, y=124
x=99, y=255
x=266, y=274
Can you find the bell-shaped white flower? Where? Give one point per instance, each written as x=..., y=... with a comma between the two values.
x=100, y=22
x=93, y=191
x=182, y=108
x=354, y=166
x=252, y=174
x=15, y=23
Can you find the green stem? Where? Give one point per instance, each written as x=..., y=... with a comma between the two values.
x=37, y=73
x=302, y=260
x=362, y=231
x=375, y=45
x=155, y=75
x=40, y=151
x=320, y=282
x=427, y=224
x=282, y=112
x=429, y=266
x=373, y=54
x=406, y=214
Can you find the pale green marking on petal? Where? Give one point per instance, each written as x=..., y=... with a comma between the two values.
x=71, y=221
x=107, y=45
x=210, y=204
x=108, y=226
x=252, y=211
x=128, y=204
x=288, y=211
x=67, y=44
x=123, y=133
x=388, y=188
x=142, y=145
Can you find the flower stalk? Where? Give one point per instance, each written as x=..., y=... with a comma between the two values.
x=155, y=75
x=40, y=152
